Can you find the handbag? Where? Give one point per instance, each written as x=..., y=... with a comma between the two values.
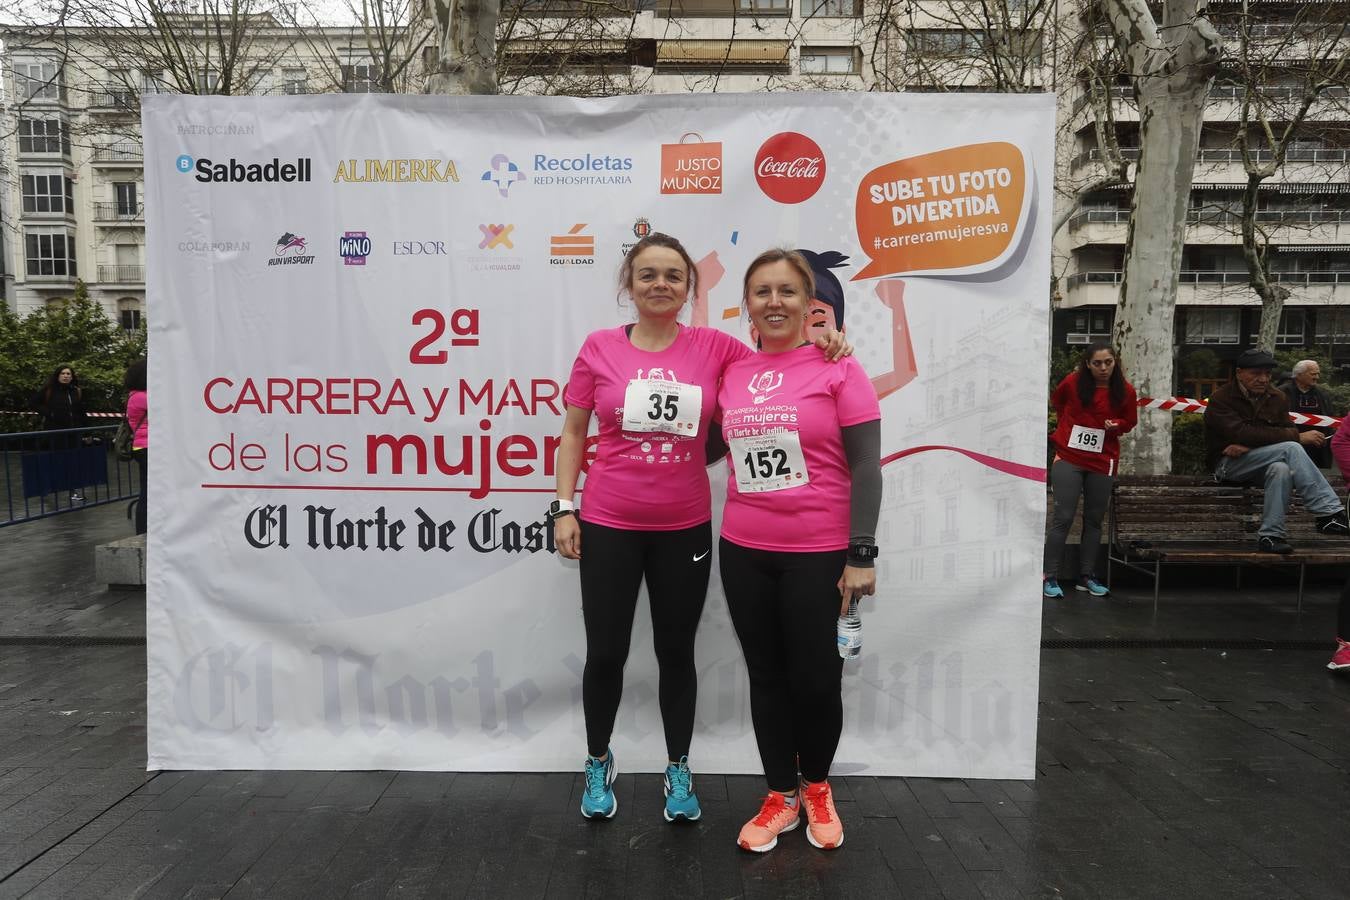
x=122, y=441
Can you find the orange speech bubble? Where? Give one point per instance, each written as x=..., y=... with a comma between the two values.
x=955, y=210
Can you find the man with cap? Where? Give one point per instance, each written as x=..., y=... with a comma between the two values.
x=1248, y=437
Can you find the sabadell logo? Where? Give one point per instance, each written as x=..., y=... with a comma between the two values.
x=790, y=167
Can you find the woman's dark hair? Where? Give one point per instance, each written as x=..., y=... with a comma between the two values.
x=135, y=377
x=828, y=289
x=54, y=382
x=1087, y=384
x=657, y=239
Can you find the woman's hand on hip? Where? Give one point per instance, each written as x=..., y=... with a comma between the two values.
x=567, y=536
x=856, y=582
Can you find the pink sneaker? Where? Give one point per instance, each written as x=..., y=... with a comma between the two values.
x=1341, y=659
x=823, y=828
x=775, y=817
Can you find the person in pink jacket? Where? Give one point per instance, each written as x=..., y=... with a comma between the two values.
x=1095, y=406
x=138, y=414
x=1340, y=451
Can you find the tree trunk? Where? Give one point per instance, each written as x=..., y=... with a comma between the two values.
x=467, y=47
x=1175, y=72
x=1272, y=293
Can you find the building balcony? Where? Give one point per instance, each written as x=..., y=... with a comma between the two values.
x=1219, y=226
x=126, y=275
x=119, y=156
x=48, y=280
x=1102, y=288
x=119, y=212
x=1212, y=161
x=1225, y=101
x=115, y=101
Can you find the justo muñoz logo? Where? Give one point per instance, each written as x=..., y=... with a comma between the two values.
x=790, y=167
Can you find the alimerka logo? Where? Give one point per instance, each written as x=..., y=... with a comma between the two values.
x=396, y=170
x=789, y=167
x=691, y=166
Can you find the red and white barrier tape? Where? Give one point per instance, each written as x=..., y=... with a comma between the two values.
x=25, y=412
x=1186, y=404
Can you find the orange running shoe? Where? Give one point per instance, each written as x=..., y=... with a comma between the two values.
x=823, y=828
x=775, y=817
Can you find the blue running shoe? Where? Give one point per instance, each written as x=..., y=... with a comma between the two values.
x=1050, y=587
x=681, y=801
x=1090, y=584
x=598, y=800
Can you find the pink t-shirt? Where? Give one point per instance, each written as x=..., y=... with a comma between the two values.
x=782, y=415
x=649, y=481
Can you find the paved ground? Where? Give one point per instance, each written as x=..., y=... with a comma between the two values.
x=1208, y=772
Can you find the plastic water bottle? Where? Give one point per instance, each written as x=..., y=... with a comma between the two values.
x=849, y=634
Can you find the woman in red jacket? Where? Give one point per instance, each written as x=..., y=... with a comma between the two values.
x=1095, y=406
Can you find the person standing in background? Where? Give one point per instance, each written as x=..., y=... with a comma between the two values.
x=137, y=415
x=60, y=402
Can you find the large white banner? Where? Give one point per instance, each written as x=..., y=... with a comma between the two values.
x=363, y=311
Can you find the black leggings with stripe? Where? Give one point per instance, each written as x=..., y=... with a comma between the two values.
x=614, y=562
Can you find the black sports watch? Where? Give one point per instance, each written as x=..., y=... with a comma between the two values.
x=863, y=554
x=559, y=508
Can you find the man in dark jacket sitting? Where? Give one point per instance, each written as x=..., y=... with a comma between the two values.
x=1248, y=437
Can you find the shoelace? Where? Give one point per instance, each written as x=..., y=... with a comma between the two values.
x=773, y=805
x=680, y=781
x=595, y=778
x=819, y=804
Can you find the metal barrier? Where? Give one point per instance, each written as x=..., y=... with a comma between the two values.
x=47, y=473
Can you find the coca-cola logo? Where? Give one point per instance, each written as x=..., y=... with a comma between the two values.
x=789, y=167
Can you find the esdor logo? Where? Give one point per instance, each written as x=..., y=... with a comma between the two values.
x=789, y=167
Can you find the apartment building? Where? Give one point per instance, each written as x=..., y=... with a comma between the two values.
x=71, y=197
x=1303, y=209
x=71, y=180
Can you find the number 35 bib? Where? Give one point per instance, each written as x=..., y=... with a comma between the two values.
x=655, y=404
x=769, y=462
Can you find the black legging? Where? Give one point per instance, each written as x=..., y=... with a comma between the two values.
x=142, y=463
x=676, y=565
x=1343, y=614
x=785, y=606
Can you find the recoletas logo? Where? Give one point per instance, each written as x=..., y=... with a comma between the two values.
x=290, y=250
x=238, y=171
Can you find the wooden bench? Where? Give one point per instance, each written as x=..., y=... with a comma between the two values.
x=1156, y=519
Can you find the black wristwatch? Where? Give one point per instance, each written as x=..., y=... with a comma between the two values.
x=862, y=554
x=559, y=508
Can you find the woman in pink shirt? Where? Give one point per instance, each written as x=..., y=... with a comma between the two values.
x=138, y=414
x=647, y=506
x=798, y=541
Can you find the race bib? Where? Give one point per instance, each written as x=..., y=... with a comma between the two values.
x=1089, y=440
x=769, y=462
x=655, y=404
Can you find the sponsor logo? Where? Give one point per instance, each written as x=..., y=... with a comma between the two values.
x=290, y=251
x=763, y=385
x=397, y=170
x=419, y=248
x=588, y=170
x=789, y=167
x=236, y=171
x=503, y=173
x=573, y=248
x=354, y=247
x=496, y=236
x=213, y=247
x=641, y=228
x=691, y=166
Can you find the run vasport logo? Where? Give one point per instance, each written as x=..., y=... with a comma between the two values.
x=691, y=166
x=573, y=248
x=789, y=167
x=290, y=251
x=234, y=171
x=354, y=247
